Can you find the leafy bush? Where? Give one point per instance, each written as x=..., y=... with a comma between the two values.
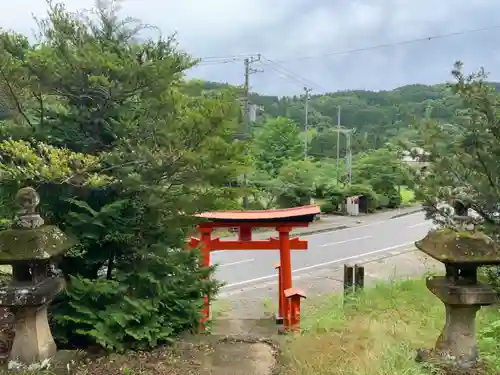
x=394, y=199
x=328, y=208
x=139, y=310
x=382, y=201
x=298, y=183
x=335, y=195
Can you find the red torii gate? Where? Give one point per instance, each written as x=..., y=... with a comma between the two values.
x=284, y=220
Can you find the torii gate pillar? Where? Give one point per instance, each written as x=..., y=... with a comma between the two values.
x=283, y=221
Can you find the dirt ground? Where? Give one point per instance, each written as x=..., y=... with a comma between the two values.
x=196, y=356
x=243, y=337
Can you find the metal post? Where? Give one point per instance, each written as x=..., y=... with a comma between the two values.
x=348, y=279
x=359, y=277
x=306, y=124
x=347, y=157
x=279, y=317
x=246, y=120
x=338, y=145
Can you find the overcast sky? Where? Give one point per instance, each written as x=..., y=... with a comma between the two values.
x=289, y=31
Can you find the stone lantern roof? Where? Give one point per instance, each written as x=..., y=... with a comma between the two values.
x=30, y=239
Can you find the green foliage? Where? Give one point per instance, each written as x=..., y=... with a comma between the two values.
x=335, y=195
x=464, y=166
x=383, y=170
x=463, y=155
x=264, y=189
x=298, y=179
x=378, y=117
x=276, y=142
x=117, y=316
x=101, y=124
x=328, y=207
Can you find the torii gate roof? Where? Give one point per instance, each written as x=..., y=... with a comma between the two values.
x=296, y=214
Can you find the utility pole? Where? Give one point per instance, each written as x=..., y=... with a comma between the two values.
x=338, y=145
x=348, y=149
x=246, y=120
x=348, y=155
x=306, y=124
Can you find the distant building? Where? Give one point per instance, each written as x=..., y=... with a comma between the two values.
x=416, y=158
x=253, y=111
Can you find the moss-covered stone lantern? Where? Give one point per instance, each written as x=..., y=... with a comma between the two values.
x=30, y=247
x=462, y=251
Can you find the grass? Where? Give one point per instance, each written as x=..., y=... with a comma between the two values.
x=407, y=196
x=378, y=333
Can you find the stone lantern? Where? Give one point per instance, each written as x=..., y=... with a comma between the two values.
x=30, y=248
x=462, y=252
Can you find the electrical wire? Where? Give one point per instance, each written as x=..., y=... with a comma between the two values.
x=368, y=48
x=395, y=44
x=292, y=75
x=219, y=62
x=285, y=76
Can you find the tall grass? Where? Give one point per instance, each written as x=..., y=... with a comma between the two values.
x=377, y=333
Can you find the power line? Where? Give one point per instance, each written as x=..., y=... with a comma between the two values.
x=238, y=56
x=286, y=76
x=394, y=44
x=219, y=62
x=367, y=48
x=292, y=75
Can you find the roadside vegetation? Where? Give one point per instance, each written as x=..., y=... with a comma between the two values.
x=407, y=196
x=377, y=332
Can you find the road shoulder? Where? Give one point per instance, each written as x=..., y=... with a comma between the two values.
x=248, y=306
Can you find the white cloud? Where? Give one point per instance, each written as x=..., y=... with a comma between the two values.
x=287, y=29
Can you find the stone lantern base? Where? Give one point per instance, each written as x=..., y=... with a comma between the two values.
x=456, y=346
x=33, y=341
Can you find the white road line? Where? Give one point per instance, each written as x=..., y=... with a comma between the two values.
x=235, y=263
x=319, y=265
x=420, y=224
x=345, y=241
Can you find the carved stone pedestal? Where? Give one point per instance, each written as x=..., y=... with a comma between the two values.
x=456, y=346
x=33, y=341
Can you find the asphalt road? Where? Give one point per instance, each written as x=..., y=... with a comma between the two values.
x=243, y=268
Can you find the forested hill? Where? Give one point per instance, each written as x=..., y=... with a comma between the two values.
x=376, y=116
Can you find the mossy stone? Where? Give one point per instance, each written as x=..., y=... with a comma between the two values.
x=31, y=244
x=460, y=247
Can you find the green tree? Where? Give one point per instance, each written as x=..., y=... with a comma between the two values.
x=383, y=170
x=298, y=179
x=276, y=142
x=463, y=155
x=121, y=156
x=463, y=164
